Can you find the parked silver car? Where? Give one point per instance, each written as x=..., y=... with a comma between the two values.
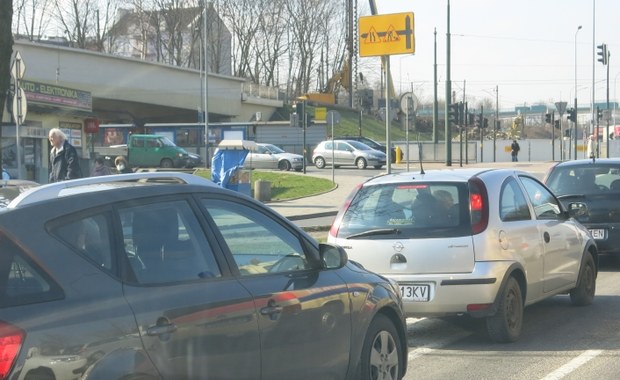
x=269, y=156
x=483, y=242
x=347, y=153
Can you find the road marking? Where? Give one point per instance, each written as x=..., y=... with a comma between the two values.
x=428, y=348
x=573, y=365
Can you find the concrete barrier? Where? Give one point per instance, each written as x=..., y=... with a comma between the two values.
x=262, y=190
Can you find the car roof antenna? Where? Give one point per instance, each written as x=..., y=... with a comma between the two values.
x=420, y=154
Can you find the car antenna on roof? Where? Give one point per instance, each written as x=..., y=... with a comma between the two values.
x=420, y=154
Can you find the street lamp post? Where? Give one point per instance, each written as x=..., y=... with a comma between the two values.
x=575, y=122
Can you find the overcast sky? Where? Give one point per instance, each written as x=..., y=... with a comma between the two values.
x=526, y=48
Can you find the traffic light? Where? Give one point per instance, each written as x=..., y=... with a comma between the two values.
x=485, y=124
x=548, y=118
x=556, y=124
x=300, y=110
x=599, y=114
x=567, y=132
x=602, y=53
x=454, y=113
x=572, y=114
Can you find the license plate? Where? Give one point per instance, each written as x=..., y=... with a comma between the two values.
x=598, y=234
x=416, y=292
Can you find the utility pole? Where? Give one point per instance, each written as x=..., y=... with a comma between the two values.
x=448, y=132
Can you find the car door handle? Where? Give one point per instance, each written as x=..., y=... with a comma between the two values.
x=161, y=329
x=546, y=237
x=271, y=310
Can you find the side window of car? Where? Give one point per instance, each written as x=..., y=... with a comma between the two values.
x=257, y=243
x=165, y=243
x=544, y=203
x=513, y=205
x=90, y=237
x=137, y=142
x=21, y=281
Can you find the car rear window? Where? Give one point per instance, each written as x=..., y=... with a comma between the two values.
x=409, y=210
x=586, y=179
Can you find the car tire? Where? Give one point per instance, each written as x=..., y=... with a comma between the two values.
x=166, y=163
x=284, y=165
x=381, y=352
x=319, y=162
x=505, y=326
x=583, y=293
x=360, y=163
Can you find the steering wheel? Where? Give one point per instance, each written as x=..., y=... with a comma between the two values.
x=290, y=262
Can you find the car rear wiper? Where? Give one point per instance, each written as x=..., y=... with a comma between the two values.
x=378, y=231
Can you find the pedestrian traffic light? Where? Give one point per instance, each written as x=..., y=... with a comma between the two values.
x=556, y=124
x=548, y=118
x=602, y=53
x=572, y=114
x=454, y=113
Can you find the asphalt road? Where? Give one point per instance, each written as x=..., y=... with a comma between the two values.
x=559, y=341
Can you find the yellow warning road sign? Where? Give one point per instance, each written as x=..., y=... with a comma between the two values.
x=386, y=34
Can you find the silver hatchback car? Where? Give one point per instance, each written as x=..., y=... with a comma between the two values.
x=347, y=153
x=482, y=242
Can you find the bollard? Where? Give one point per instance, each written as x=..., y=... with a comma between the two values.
x=262, y=190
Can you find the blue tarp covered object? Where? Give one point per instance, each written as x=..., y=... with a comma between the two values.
x=228, y=159
x=225, y=164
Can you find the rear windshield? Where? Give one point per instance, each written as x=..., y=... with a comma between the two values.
x=437, y=209
x=587, y=179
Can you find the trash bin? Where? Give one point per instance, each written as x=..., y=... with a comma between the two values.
x=262, y=190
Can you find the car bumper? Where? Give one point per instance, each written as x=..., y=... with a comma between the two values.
x=609, y=243
x=450, y=294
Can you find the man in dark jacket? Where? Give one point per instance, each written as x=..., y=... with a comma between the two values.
x=64, y=161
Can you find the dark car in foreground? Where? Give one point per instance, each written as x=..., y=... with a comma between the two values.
x=166, y=275
x=593, y=187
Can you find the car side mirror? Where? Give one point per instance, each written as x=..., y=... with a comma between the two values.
x=332, y=256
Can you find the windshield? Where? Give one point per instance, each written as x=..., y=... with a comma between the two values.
x=166, y=142
x=407, y=210
x=274, y=149
x=359, y=146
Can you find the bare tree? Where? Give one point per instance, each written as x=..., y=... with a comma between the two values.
x=86, y=22
x=32, y=18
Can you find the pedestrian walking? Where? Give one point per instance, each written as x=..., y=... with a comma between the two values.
x=514, y=150
x=64, y=160
x=100, y=168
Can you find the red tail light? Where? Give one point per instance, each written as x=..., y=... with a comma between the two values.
x=478, y=206
x=333, y=231
x=11, y=339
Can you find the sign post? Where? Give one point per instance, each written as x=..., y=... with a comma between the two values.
x=20, y=105
x=385, y=35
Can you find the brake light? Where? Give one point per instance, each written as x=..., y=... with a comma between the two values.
x=478, y=206
x=333, y=231
x=11, y=339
